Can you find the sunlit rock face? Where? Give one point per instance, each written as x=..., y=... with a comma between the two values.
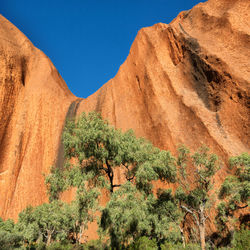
x=186, y=82
x=34, y=101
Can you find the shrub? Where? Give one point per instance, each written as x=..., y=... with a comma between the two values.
x=9, y=240
x=242, y=240
x=61, y=246
x=179, y=246
x=95, y=245
x=144, y=243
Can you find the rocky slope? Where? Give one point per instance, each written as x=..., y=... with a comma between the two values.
x=186, y=82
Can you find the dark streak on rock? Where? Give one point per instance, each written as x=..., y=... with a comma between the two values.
x=23, y=70
x=72, y=110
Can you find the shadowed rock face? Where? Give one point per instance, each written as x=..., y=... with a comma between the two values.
x=186, y=82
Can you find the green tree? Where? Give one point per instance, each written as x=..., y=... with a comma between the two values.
x=27, y=225
x=166, y=217
x=98, y=150
x=95, y=153
x=125, y=217
x=195, y=198
x=131, y=214
x=144, y=243
x=235, y=193
x=46, y=222
x=7, y=226
x=9, y=239
x=241, y=239
x=83, y=210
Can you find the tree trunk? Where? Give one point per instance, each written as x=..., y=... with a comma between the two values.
x=111, y=176
x=182, y=237
x=232, y=233
x=49, y=239
x=80, y=234
x=202, y=237
x=77, y=232
x=202, y=228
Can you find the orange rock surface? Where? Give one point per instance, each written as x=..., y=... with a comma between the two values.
x=186, y=82
x=34, y=101
x=183, y=82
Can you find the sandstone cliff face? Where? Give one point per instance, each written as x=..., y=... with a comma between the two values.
x=34, y=100
x=186, y=82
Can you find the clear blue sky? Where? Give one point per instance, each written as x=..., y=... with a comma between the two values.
x=88, y=40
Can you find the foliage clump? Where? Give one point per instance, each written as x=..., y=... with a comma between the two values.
x=234, y=194
x=9, y=239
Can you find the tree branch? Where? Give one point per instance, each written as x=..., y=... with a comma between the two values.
x=192, y=213
x=206, y=217
x=116, y=185
x=239, y=207
x=130, y=178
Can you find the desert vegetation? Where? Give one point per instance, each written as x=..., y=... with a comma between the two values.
x=100, y=160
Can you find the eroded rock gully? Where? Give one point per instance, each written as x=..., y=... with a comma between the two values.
x=184, y=82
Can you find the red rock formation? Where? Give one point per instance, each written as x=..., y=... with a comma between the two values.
x=34, y=100
x=186, y=82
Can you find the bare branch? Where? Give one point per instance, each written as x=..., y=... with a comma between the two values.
x=116, y=185
x=206, y=217
x=130, y=178
x=192, y=213
x=239, y=207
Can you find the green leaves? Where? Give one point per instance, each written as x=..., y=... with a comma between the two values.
x=237, y=187
x=164, y=165
x=9, y=238
x=7, y=225
x=56, y=182
x=235, y=191
x=27, y=224
x=95, y=152
x=131, y=214
x=46, y=222
x=125, y=215
x=227, y=188
x=195, y=176
x=204, y=166
x=99, y=156
x=166, y=216
x=95, y=149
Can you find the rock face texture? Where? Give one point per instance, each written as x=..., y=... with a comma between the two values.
x=186, y=82
x=34, y=101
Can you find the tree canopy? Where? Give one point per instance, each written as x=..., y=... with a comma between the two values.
x=97, y=150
